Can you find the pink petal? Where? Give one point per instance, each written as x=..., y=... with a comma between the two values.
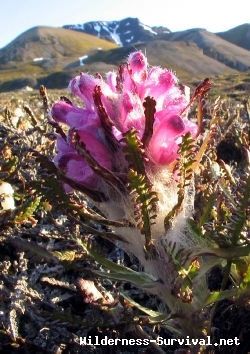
x=76, y=168
x=96, y=148
x=73, y=116
x=163, y=145
x=138, y=64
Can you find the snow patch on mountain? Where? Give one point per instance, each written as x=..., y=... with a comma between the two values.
x=147, y=28
x=124, y=32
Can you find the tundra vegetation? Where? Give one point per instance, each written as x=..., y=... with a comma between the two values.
x=124, y=224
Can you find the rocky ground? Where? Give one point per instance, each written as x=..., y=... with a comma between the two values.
x=49, y=294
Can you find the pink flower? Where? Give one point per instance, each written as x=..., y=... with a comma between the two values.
x=131, y=113
x=166, y=137
x=74, y=116
x=113, y=107
x=83, y=86
x=68, y=160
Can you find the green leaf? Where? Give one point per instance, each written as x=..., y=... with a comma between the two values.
x=27, y=210
x=144, y=309
x=206, y=212
x=227, y=253
x=185, y=161
x=220, y=295
x=145, y=203
x=246, y=280
x=118, y=272
x=133, y=150
x=154, y=316
x=195, y=229
x=144, y=198
x=139, y=279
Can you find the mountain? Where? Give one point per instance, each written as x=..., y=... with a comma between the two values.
x=50, y=56
x=51, y=43
x=124, y=32
x=230, y=51
x=185, y=58
x=214, y=47
x=239, y=35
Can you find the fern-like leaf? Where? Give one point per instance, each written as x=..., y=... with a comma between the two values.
x=26, y=211
x=207, y=210
x=145, y=200
x=184, y=167
x=134, y=151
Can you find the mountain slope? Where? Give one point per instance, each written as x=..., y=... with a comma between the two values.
x=131, y=31
x=124, y=32
x=215, y=47
x=239, y=35
x=185, y=58
x=50, y=56
x=50, y=42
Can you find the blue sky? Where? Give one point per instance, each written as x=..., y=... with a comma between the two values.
x=17, y=16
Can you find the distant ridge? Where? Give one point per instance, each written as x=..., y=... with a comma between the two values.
x=50, y=55
x=51, y=42
x=230, y=48
x=215, y=47
x=239, y=35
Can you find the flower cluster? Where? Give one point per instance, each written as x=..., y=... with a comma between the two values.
x=121, y=149
x=114, y=106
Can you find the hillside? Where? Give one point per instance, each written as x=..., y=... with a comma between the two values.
x=239, y=35
x=51, y=43
x=51, y=56
x=215, y=47
x=184, y=57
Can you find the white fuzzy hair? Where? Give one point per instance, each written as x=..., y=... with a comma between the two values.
x=120, y=207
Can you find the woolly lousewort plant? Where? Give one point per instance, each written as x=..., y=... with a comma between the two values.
x=122, y=147
x=132, y=150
